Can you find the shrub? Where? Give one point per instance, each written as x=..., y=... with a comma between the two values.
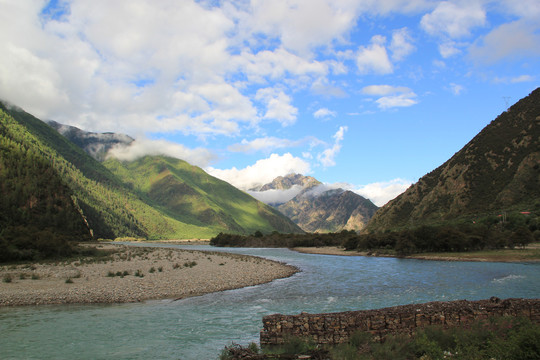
x=7, y=278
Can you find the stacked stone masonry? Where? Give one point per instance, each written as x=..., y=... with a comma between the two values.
x=336, y=328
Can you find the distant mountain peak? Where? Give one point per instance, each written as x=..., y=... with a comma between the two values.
x=288, y=181
x=314, y=206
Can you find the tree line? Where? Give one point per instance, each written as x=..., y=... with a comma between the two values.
x=517, y=230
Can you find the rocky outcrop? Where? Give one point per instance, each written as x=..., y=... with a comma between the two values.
x=337, y=328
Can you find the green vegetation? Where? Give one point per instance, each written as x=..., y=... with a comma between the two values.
x=187, y=194
x=53, y=194
x=490, y=233
x=506, y=338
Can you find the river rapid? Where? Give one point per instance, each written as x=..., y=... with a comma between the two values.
x=199, y=327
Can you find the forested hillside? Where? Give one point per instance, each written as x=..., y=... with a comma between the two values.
x=38, y=216
x=111, y=205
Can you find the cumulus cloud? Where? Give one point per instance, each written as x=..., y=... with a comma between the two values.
x=142, y=147
x=401, y=45
x=324, y=113
x=374, y=57
x=453, y=19
x=278, y=106
x=384, y=90
x=262, y=172
x=391, y=96
x=512, y=41
x=298, y=24
x=327, y=157
x=382, y=192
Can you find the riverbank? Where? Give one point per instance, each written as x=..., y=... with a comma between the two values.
x=132, y=274
x=530, y=254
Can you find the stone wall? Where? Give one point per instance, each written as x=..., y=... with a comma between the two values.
x=335, y=328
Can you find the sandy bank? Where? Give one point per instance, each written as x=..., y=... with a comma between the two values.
x=530, y=254
x=135, y=274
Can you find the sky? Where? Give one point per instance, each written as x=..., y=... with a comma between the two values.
x=367, y=95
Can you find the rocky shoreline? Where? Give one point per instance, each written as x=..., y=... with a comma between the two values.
x=133, y=274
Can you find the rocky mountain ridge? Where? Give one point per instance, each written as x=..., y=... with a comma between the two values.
x=319, y=208
x=497, y=171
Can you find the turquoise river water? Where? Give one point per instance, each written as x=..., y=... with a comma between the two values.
x=199, y=327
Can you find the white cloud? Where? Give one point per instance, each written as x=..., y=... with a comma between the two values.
x=512, y=41
x=382, y=192
x=278, y=105
x=448, y=49
x=327, y=157
x=142, y=147
x=401, y=100
x=392, y=96
x=514, y=80
x=276, y=196
x=456, y=89
x=277, y=64
x=302, y=25
x=268, y=143
x=324, y=113
x=401, y=45
x=454, y=19
x=374, y=58
x=384, y=90
x=262, y=172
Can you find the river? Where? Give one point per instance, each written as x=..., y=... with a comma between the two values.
x=199, y=327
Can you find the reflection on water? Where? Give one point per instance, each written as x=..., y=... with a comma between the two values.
x=198, y=328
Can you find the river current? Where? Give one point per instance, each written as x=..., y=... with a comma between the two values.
x=199, y=327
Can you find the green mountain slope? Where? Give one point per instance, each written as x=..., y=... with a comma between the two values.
x=144, y=199
x=188, y=194
x=109, y=207
x=496, y=172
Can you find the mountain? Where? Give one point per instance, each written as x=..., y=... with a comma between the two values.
x=111, y=207
x=96, y=145
x=188, y=194
x=316, y=208
x=289, y=181
x=497, y=171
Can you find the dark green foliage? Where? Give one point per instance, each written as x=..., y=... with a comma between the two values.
x=276, y=239
x=448, y=238
x=444, y=238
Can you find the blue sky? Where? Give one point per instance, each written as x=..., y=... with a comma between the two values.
x=369, y=95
